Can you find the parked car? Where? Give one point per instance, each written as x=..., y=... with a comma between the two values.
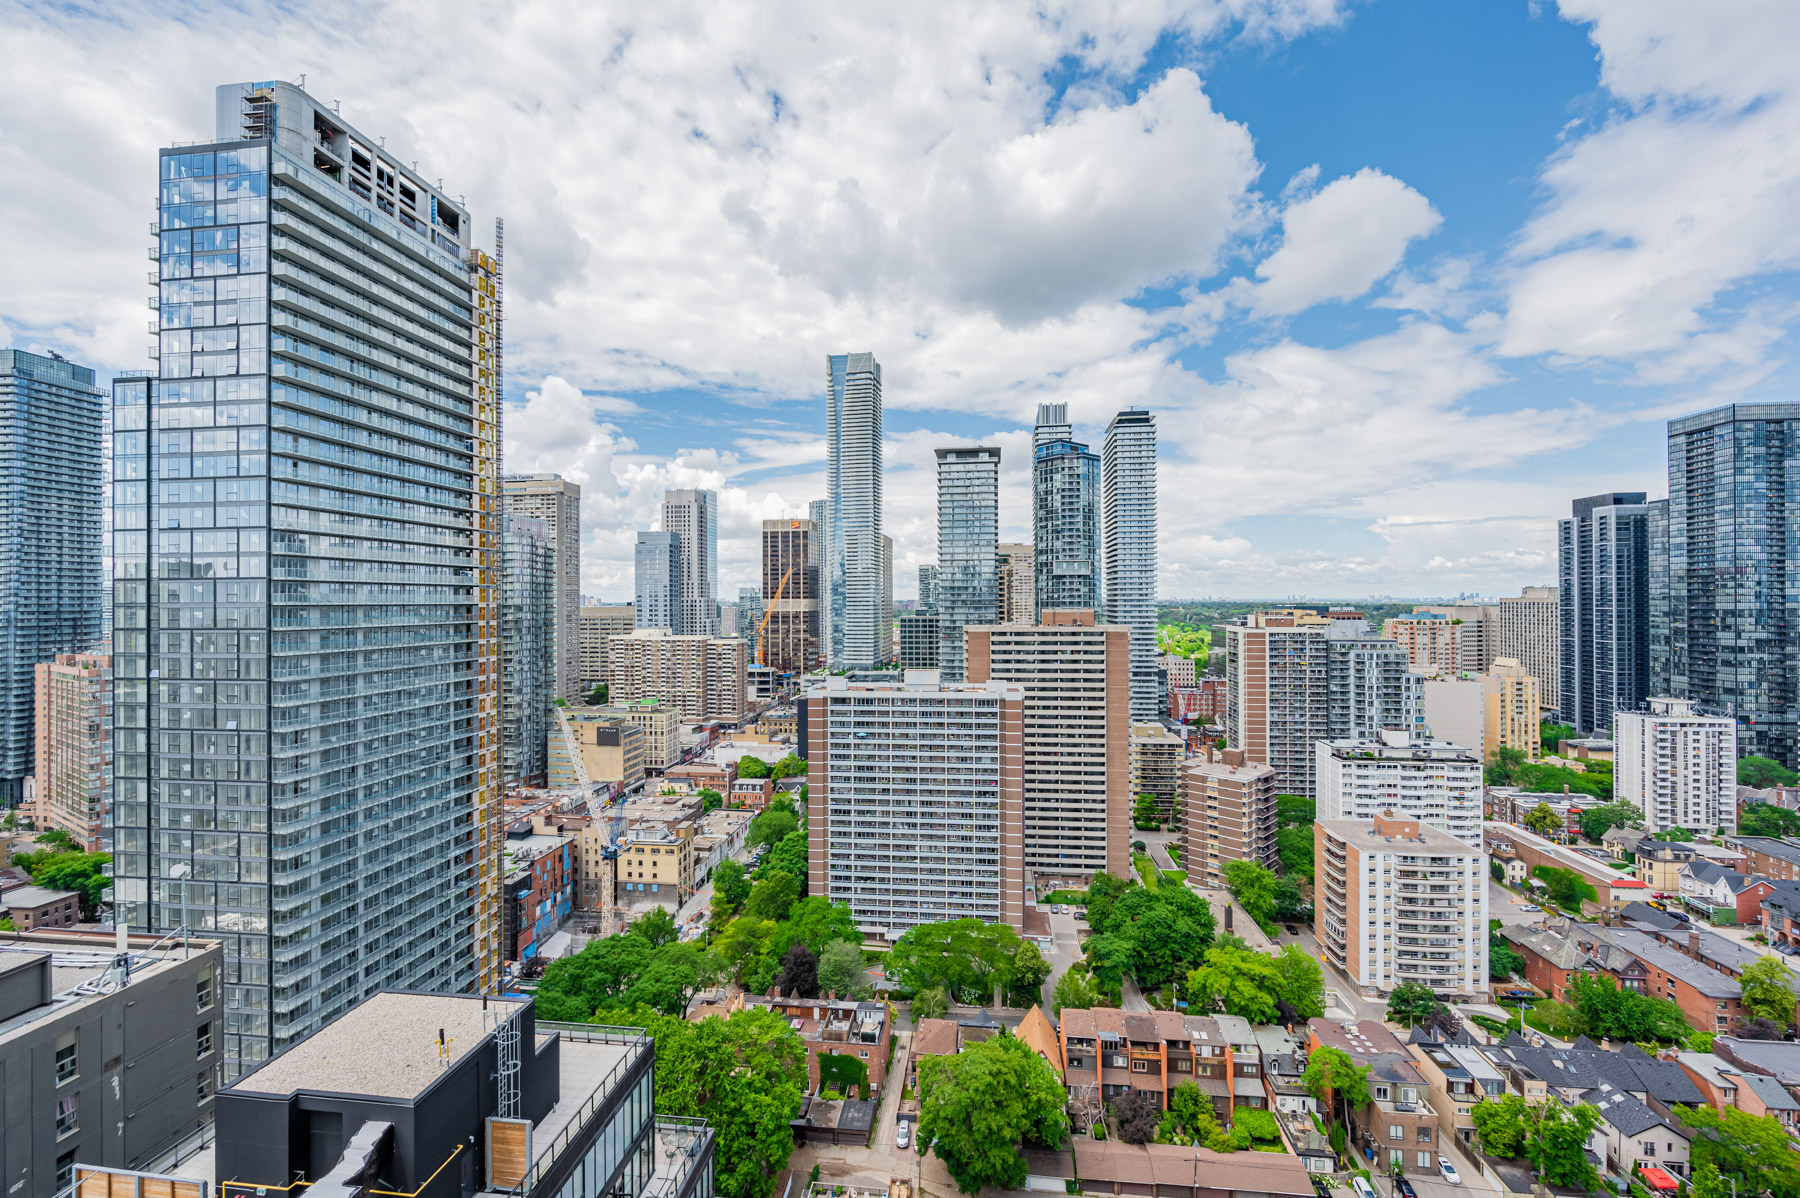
x=1362, y=1187
x=1532, y=907
x=1321, y=1187
x=1081, y=914
x=1448, y=1171
x=903, y=1134
x=1403, y=1188
x=1658, y=905
x=1785, y=949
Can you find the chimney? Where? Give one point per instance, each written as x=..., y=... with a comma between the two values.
x=1694, y=941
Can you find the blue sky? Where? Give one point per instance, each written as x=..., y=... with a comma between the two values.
x=1398, y=278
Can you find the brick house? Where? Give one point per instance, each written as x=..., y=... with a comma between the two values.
x=1768, y=857
x=1119, y=1051
x=863, y=1030
x=34, y=909
x=1552, y=957
x=1779, y=914
x=1399, y=1123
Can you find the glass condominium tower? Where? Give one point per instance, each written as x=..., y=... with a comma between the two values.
x=1065, y=520
x=1128, y=546
x=50, y=537
x=860, y=632
x=306, y=579
x=967, y=584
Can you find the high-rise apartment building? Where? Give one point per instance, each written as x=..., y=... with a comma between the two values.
x=657, y=563
x=1077, y=729
x=1433, y=641
x=327, y=416
x=597, y=623
x=968, y=481
x=1156, y=756
x=1603, y=571
x=1432, y=781
x=1677, y=766
x=557, y=502
x=702, y=677
x=918, y=640
x=1525, y=629
x=1277, y=692
x=1400, y=901
x=1065, y=515
x=914, y=800
x=887, y=599
x=750, y=606
x=1370, y=683
x=1228, y=814
x=50, y=535
x=527, y=648
x=74, y=749
x=1128, y=547
x=693, y=517
x=1727, y=635
x=819, y=512
x=1477, y=632
x=1510, y=710
x=1018, y=584
x=790, y=578
x=859, y=633
x=928, y=588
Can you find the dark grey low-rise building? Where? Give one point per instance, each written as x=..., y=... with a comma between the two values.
x=101, y=1064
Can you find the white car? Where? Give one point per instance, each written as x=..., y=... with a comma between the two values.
x=903, y=1136
x=1448, y=1171
x=1532, y=907
x=1362, y=1187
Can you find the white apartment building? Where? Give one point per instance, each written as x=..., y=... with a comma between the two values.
x=1432, y=781
x=915, y=806
x=1678, y=767
x=1401, y=902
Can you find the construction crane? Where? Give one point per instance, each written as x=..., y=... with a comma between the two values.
x=769, y=611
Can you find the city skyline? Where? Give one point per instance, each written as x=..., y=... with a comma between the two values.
x=1304, y=388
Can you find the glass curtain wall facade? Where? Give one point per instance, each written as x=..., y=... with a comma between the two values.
x=1065, y=520
x=50, y=536
x=1603, y=567
x=693, y=516
x=860, y=634
x=968, y=589
x=306, y=505
x=527, y=649
x=658, y=568
x=557, y=502
x=1128, y=546
x=1727, y=634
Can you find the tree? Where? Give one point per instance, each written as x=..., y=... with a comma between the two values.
x=1104, y=890
x=1753, y=1150
x=1190, y=1119
x=1253, y=886
x=710, y=800
x=1602, y=1008
x=1162, y=933
x=1766, y=819
x=1761, y=1029
x=772, y=897
x=1502, y=961
x=1138, y=1114
x=1298, y=984
x=624, y=971
x=1552, y=735
x=1502, y=1124
x=84, y=873
x=930, y=1003
x=977, y=1105
x=1504, y=766
x=1259, y=1124
x=790, y=766
x=1290, y=904
x=1543, y=821
x=1075, y=990
x=1557, y=1145
x=1295, y=847
x=799, y=972
x=1565, y=887
x=657, y=926
x=730, y=883
x=771, y=827
x=965, y=956
x=787, y=857
x=840, y=970
x=1145, y=814
x=1236, y=979
x=597, y=696
x=1027, y=974
x=1295, y=811
x=1412, y=1003
x=58, y=840
x=1708, y=1182
x=1596, y=822
x=1768, y=990
x=745, y=1075
x=1334, y=1079
x=1761, y=773
x=752, y=767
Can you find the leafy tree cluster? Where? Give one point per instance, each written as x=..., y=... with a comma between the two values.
x=1294, y=818
x=751, y=766
x=1551, y=1136
x=1542, y=820
x=979, y=1105
x=1565, y=887
x=1264, y=897
x=645, y=966
x=1768, y=987
x=1503, y=962
x=1766, y=819
x=62, y=865
x=1241, y=981
x=790, y=766
x=757, y=947
x=1508, y=767
x=1337, y=1081
x=773, y=824
x=744, y=1074
x=597, y=697
x=1752, y=1150
x=1761, y=773
x=1154, y=936
x=1603, y=1009
x=711, y=800
x=1416, y=1005
x=1596, y=822
x=967, y=958
x=1185, y=640
x=1552, y=735
x=1146, y=816
x=1076, y=989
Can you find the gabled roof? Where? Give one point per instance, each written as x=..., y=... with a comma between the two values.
x=1708, y=874
x=1626, y=1113
x=935, y=1038
x=1041, y=1038
x=1773, y=1094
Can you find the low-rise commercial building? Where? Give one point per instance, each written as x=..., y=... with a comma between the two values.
x=1156, y=756
x=539, y=872
x=1228, y=814
x=1435, y=782
x=102, y=1066
x=1397, y=901
x=38, y=909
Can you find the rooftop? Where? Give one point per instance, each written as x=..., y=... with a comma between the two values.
x=1769, y=846
x=81, y=968
x=1706, y=980
x=22, y=897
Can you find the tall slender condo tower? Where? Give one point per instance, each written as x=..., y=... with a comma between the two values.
x=1128, y=546
x=1604, y=562
x=307, y=576
x=859, y=634
x=693, y=516
x=557, y=502
x=1065, y=518
x=968, y=591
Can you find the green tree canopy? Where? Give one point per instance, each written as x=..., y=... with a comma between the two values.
x=1766, y=819
x=1596, y=822
x=62, y=869
x=1552, y=735
x=1296, y=811
x=1565, y=887
x=1557, y=1145
x=752, y=767
x=58, y=840
x=1502, y=1124
x=1604, y=1009
x=1145, y=814
x=1298, y=983
x=1295, y=846
x=1761, y=773
x=1543, y=821
x=1156, y=936
x=1336, y=1080
x=626, y=970
x=1103, y=891
x=1075, y=990
x=930, y=1003
x=1753, y=1150
x=744, y=1075
x=841, y=970
x=791, y=766
x=1236, y=979
x=772, y=897
x=787, y=857
x=1412, y=1003
x=771, y=827
x=979, y=1105
x=1768, y=986
x=1191, y=1119
x=730, y=883
x=965, y=956
x=1253, y=886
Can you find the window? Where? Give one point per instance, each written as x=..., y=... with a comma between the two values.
x=68, y=1115
x=67, y=1049
x=1396, y=1132
x=1424, y=1135
x=1182, y=1066
x=864, y=1055
x=1246, y=1070
x=1649, y=1147
x=1409, y=1094
x=1140, y=1066
x=203, y=989
x=1381, y=1092
x=203, y=1087
x=1396, y=1157
x=65, y=1170
x=1424, y=1159
x=203, y=1040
